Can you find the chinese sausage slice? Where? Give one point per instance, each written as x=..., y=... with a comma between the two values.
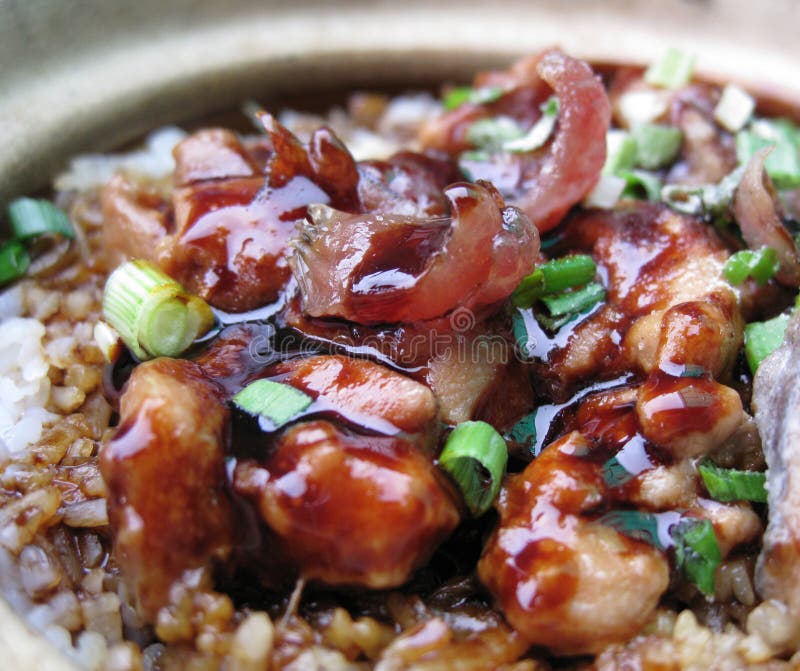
x=388, y=268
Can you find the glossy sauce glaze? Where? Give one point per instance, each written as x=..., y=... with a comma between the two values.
x=396, y=324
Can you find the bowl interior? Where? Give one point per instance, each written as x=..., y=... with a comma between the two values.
x=94, y=75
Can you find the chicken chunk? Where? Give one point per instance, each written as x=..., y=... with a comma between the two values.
x=165, y=474
x=655, y=260
x=349, y=509
x=135, y=220
x=562, y=580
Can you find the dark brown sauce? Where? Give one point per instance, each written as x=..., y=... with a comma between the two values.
x=680, y=405
x=400, y=253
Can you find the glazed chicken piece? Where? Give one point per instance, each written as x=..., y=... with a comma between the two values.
x=165, y=474
x=776, y=398
x=350, y=509
x=546, y=182
x=234, y=217
x=469, y=365
x=363, y=392
x=563, y=577
x=136, y=217
x=359, y=506
x=664, y=274
x=562, y=580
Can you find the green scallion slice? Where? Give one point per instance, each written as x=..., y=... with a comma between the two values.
x=274, y=401
x=783, y=163
x=152, y=313
x=466, y=94
x=540, y=132
x=762, y=338
x=734, y=109
x=697, y=552
x=475, y=456
x=730, y=484
x=574, y=300
x=709, y=199
x=494, y=132
x=635, y=524
x=620, y=152
x=31, y=217
x=554, y=276
x=14, y=261
x=761, y=265
x=656, y=145
x=673, y=70
x=641, y=182
x=524, y=431
x=525, y=341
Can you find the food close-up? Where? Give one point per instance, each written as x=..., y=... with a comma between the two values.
x=501, y=374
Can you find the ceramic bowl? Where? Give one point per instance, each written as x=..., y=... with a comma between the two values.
x=91, y=75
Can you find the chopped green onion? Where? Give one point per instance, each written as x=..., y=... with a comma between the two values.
x=762, y=338
x=673, y=70
x=656, y=145
x=554, y=324
x=152, y=313
x=575, y=300
x=684, y=198
x=525, y=342
x=709, y=199
x=524, y=431
x=734, y=109
x=783, y=163
x=540, y=132
x=761, y=265
x=554, y=276
x=606, y=192
x=493, y=133
x=641, y=181
x=697, y=552
x=635, y=524
x=466, y=94
x=475, y=456
x=730, y=484
x=630, y=460
x=31, y=217
x=273, y=401
x=615, y=474
x=620, y=152
x=14, y=261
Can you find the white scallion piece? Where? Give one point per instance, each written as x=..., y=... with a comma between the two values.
x=734, y=108
x=606, y=192
x=640, y=107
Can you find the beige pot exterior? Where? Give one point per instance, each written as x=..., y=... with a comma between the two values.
x=86, y=75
